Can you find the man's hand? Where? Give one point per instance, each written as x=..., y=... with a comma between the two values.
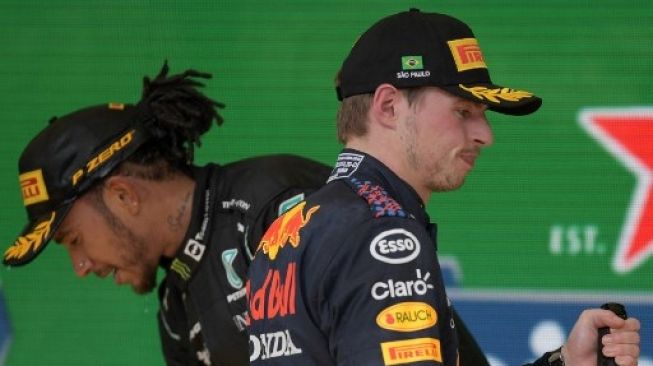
x=622, y=343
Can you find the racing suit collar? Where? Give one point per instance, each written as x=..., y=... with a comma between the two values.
x=355, y=163
x=193, y=247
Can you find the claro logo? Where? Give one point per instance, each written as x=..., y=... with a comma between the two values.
x=395, y=246
x=395, y=288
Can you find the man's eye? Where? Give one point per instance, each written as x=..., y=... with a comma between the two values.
x=462, y=113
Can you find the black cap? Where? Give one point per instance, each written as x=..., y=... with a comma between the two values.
x=414, y=49
x=64, y=160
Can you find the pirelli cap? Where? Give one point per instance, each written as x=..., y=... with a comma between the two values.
x=64, y=160
x=413, y=49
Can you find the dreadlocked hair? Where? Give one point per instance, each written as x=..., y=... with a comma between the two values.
x=177, y=114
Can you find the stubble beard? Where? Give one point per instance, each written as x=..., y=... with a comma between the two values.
x=437, y=178
x=133, y=252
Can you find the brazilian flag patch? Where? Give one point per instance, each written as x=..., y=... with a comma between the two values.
x=411, y=63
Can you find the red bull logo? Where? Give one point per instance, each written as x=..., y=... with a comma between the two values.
x=276, y=297
x=285, y=230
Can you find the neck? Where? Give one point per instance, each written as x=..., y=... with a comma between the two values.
x=175, y=206
x=390, y=157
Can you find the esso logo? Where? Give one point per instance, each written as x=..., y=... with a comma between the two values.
x=395, y=246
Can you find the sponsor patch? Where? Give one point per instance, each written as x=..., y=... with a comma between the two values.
x=272, y=345
x=346, y=165
x=32, y=185
x=395, y=246
x=289, y=203
x=237, y=203
x=381, y=204
x=236, y=295
x=241, y=321
x=407, y=317
x=194, y=249
x=412, y=63
x=392, y=288
x=467, y=54
x=411, y=350
x=285, y=229
x=228, y=257
x=276, y=297
x=181, y=268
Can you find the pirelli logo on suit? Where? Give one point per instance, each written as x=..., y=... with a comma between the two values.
x=411, y=350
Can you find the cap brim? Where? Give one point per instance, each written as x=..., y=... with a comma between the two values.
x=35, y=237
x=498, y=98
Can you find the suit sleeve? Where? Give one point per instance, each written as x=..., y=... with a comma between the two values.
x=382, y=301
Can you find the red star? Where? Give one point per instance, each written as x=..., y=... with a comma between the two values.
x=628, y=135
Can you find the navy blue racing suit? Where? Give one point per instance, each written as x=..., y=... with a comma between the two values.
x=351, y=277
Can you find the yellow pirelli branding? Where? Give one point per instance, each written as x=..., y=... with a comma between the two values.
x=411, y=350
x=467, y=54
x=33, y=187
x=103, y=156
x=407, y=317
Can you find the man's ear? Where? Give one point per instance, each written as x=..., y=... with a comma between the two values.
x=385, y=105
x=120, y=193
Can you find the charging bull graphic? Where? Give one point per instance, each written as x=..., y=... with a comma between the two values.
x=285, y=230
x=628, y=135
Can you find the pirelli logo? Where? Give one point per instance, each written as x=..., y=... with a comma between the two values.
x=467, y=54
x=411, y=350
x=33, y=187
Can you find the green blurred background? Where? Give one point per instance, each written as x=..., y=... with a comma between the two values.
x=543, y=210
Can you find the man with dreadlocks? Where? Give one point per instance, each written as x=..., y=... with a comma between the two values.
x=114, y=184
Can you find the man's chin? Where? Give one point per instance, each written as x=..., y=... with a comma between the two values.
x=144, y=286
x=143, y=289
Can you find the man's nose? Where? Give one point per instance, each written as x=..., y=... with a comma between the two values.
x=483, y=134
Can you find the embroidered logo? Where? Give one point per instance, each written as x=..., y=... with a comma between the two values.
x=380, y=202
x=497, y=94
x=33, y=187
x=228, y=257
x=412, y=63
x=467, y=54
x=30, y=242
x=285, y=229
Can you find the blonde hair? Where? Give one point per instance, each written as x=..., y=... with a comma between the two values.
x=351, y=120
